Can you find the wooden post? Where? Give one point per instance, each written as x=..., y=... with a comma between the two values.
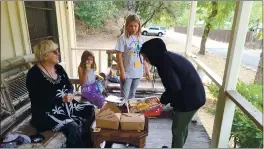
x=24, y=28
x=225, y=107
x=63, y=37
x=100, y=61
x=70, y=20
x=109, y=58
x=190, y=28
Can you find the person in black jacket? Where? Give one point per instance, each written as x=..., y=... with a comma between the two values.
x=183, y=87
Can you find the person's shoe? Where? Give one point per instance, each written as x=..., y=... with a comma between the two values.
x=194, y=121
x=164, y=147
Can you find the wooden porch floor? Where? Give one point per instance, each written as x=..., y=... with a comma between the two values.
x=160, y=127
x=160, y=133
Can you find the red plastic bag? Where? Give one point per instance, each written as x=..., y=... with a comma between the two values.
x=154, y=112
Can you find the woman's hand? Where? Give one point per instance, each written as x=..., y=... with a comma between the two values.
x=67, y=98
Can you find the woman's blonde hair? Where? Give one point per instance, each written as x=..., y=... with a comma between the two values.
x=42, y=48
x=129, y=19
x=84, y=58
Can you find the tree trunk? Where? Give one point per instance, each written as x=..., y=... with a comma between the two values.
x=204, y=38
x=208, y=27
x=152, y=15
x=259, y=74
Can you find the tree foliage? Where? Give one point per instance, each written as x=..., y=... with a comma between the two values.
x=224, y=18
x=94, y=12
x=167, y=13
x=225, y=13
x=157, y=12
x=173, y=13
x=256, y=20
x=256, y=14
x=215, y=15
x=148, y=10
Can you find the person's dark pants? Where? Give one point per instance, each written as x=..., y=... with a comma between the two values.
x=180, y=128
x=77, y=136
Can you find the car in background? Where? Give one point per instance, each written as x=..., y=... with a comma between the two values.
x=154, y=30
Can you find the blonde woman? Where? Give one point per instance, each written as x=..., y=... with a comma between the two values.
x=129, y=61
x=52, y=103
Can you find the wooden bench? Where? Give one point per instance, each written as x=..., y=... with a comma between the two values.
x=52, y=139
x=15, y=100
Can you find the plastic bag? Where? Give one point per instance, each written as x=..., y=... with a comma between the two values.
x=93, y=93
x=100, y=85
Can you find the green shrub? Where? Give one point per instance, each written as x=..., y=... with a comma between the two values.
x=211, y=111
x=247, y=134
x=94, y=12
x=252, y=92
x=244, y=131
x=214, y=90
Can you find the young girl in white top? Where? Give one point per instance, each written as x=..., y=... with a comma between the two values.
x=87, y=76
x=87, y=68
x=129, y=61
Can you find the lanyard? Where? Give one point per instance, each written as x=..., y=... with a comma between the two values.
x=137, y=44
x=137, y=48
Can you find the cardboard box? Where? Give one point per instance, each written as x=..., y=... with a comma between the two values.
x=108, y=117
x=132, y=121
x=111, y=106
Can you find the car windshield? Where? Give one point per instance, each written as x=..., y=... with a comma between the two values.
x=162, y=28
x=154, y=28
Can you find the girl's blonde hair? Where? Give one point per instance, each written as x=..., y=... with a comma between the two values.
x=84, y=58
x=42, y=48
x=129, y=19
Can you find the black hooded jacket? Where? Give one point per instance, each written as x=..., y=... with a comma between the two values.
x=183, y=87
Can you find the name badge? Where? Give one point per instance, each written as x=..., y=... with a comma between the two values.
x=137, y=64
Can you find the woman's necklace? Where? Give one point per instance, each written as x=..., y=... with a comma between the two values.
x=47, y=71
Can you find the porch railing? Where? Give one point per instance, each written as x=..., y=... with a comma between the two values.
x=252, y=112
x=100, y=55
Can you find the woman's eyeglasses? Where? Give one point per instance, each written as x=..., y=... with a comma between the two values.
x=56, y=52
